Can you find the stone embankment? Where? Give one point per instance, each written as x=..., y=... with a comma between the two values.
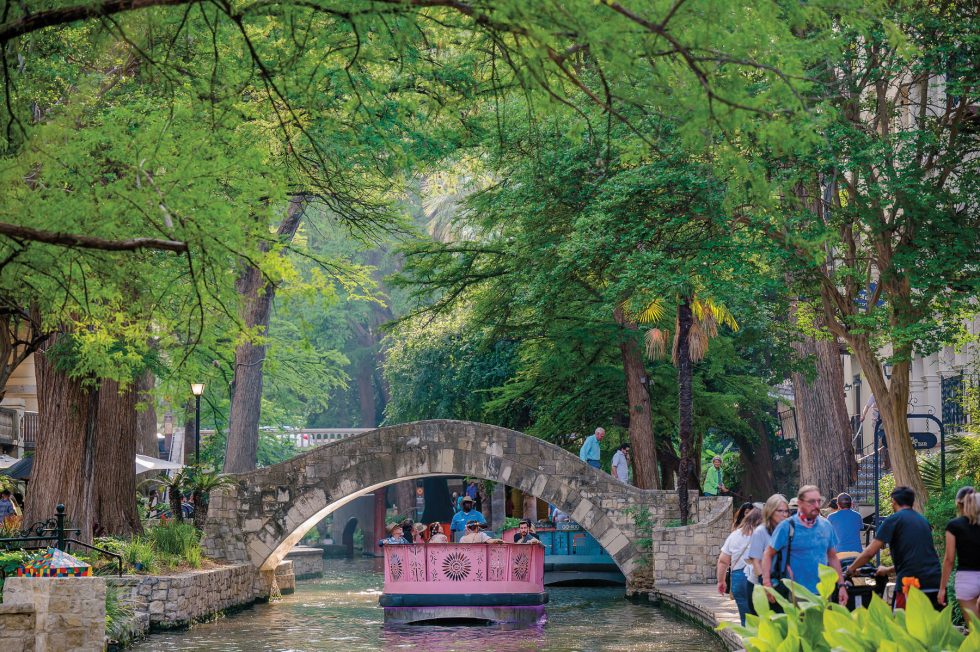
x=307, y=562
x=702, y=604
x=52, y=614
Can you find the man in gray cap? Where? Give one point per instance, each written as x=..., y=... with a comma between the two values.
x=848, y=525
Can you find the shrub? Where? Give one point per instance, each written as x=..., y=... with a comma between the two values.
x=180, y=540
x=118, y=613
x=811, y=623
x=140, y=554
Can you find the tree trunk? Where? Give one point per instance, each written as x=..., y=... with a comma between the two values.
x=190, y=415
x=202, y=500
x=892, y=398
x=246, y=401
x=64, y=459
x=115, y=450
x=640, y=414
x=826, y=451
x=685, y=405
x=146, y=419
x=174, y=497
x=758, y=480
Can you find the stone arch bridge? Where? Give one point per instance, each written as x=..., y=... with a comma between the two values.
x=268, y=511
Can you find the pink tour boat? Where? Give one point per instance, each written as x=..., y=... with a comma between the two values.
x=498, y=583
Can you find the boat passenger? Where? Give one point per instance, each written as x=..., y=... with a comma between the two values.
x=473, y=535
x=436, y=535
x=526, y=534
x=420, y=530
x=394, y=536
x=462, y=518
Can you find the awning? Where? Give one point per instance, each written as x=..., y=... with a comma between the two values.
x=21, y=470
x=145, y=464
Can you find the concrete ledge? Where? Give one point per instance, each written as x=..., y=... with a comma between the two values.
x=702, y=604
x=307, y=562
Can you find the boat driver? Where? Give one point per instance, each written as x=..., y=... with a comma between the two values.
x=462, y=518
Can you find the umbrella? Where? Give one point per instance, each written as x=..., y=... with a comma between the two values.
x=55, y=563
x=144, y=464
x=21, y=470
x=7, y=461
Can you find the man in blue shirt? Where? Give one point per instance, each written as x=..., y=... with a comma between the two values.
x=458, y=525
x=810, y=540
x=847, y=524
x=589, y=452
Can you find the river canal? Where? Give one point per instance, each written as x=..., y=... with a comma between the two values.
x=341, y=612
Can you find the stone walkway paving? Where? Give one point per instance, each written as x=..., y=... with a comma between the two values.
x=702, y=603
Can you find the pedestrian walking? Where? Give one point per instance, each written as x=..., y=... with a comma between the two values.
x=714, y=479
x=740, y=513
x=963, y=544
x=908, y=536
x=6, y=505
x=621, y=463
x=589, y=453
x=733, y=561
x=804, y=542
x=774, y=512
x=848, y=524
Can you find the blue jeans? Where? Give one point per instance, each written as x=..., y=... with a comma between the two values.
x=740, y=591
x=594, y=463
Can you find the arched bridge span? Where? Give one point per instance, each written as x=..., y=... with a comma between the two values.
x=269, y=510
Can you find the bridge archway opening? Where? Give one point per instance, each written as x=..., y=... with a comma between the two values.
x=279, y=553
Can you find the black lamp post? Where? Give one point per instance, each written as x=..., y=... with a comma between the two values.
x=197, y=389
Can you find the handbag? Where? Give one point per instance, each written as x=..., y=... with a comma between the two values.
x=728, y=573
x=783, y=570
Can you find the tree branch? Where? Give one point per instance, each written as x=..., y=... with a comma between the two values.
x=75, y=241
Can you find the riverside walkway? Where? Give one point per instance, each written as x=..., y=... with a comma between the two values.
x=701, y=603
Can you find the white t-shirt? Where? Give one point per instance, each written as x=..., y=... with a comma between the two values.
x=622, y=466
x=737, y=547
x=475, y=537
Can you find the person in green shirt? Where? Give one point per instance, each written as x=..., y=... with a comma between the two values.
x=714, y=482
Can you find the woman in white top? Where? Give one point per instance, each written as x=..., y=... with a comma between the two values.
x=436, y=535
x=734, y=554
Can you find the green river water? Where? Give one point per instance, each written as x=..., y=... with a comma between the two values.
x=340, y=612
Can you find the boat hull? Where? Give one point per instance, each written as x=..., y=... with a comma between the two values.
x=463, y=599
x=502, y=616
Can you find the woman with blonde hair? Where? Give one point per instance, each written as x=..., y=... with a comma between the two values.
x=963, y=543
x=774, y=512
x=733, y=555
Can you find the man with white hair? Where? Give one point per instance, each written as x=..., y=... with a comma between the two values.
x=714, y=481
x=589, y=452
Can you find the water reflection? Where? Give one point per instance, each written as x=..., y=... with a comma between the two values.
x=340, y=612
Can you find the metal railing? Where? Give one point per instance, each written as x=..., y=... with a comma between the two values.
x=54, y=530
x=29, y=429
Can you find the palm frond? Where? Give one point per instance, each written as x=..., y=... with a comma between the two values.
x=650, y=313
x=697, y=342
x=656, y=343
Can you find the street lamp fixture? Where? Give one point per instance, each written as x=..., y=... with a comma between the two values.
x=197, y=389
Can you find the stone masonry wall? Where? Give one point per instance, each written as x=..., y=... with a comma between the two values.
x=307, y=562
x=688, y=555
x=179, y=600
x=17, y=627
x=68, y=613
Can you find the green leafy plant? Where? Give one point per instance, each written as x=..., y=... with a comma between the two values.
x=180, y=540
x=812, y=623
x=140, y=555
x=118, y=614
x=201, y=483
